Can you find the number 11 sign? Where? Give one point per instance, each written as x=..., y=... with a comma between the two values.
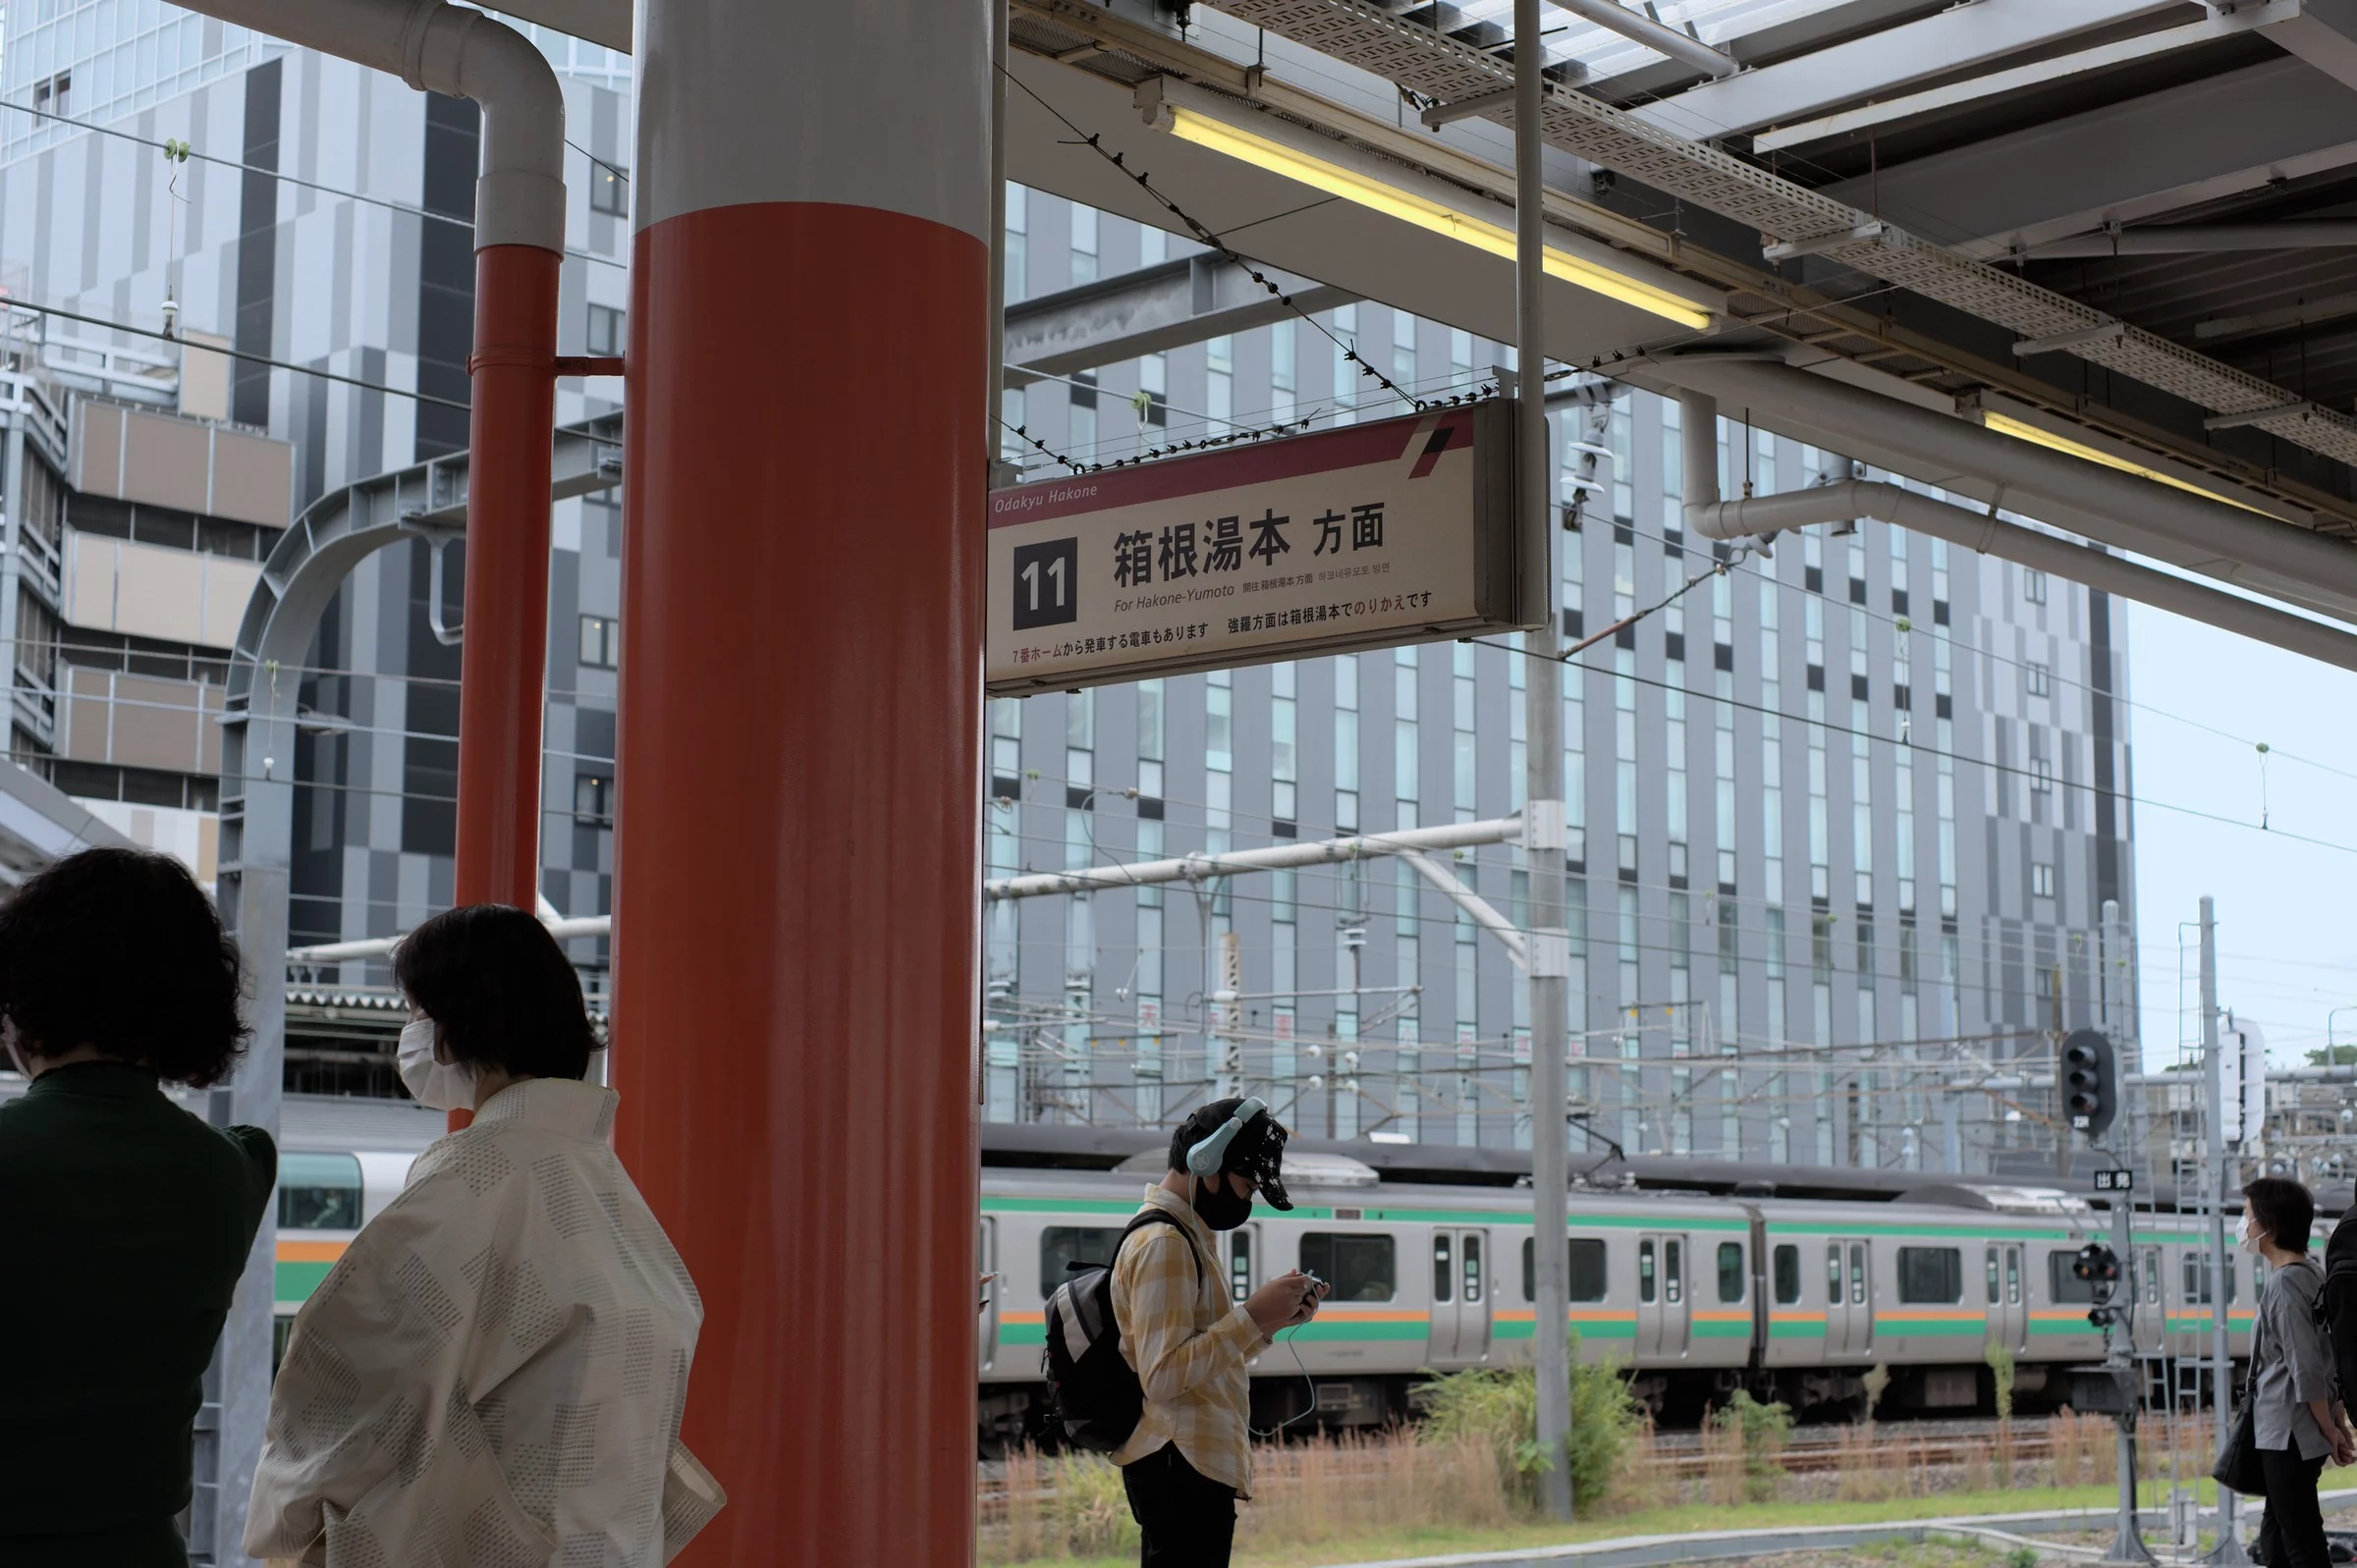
x=1359, y=537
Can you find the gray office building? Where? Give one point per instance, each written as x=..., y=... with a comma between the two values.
x=1843, y=816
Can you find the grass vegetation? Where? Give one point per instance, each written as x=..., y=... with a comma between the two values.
x=1468, y=1479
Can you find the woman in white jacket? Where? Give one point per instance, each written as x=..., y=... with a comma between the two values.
x=495, y=1370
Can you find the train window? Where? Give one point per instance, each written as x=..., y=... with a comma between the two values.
x=1994, y=1297
x=1358, y=1268
x=1239, y=1264
x=1064, y=1245
x=1787, y=1275
x=1443, y=1277
x=1472, y=1268
x=2197, y=1278
x=1833, y=1274
x=1587, y=1271
x=2152, y=1277
x=1931, y=1275
x=1674, y=1287
x=1857, y=1274
x=2064, y=1286
x=318, y=1192
x=2013, y=1277
x=1645, y=1282
x=1731, y=1270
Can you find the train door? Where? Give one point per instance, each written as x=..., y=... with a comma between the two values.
x=2008, y=1312
x=1848, y=1298
x=1460, y=1295
x=986, y=1322
x=2149, y=1304
x=1243, y=1260
x=1663, y=1311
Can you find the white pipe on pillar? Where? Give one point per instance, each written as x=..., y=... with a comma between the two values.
x=435, y=47
x=1698, y=448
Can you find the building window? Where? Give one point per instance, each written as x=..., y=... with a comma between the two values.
x=609, y=189
x=2041, y=879
x=1084, y=244
x=2033, y=585
x=2041, y=775
x=601, y=642
x=55, y=95
x=593, y=801
x=2040, y=680
x=607, y=334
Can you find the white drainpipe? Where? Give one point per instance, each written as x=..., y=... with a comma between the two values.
x=1759, y=515
x=437, y=48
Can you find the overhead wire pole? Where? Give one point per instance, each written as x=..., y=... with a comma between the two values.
x=2229, y=1549
x=1549, y=947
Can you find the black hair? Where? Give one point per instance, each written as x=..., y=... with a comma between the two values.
x=2284, y=1209
x=1206, y=1120
x=500, y=990
x=120, y=950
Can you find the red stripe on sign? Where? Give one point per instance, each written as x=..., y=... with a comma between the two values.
x=1434, y=444
x=1324, y=450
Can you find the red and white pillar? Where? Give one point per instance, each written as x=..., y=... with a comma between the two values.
x=795, y=900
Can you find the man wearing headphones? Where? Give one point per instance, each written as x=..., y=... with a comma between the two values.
x=1191, y=1457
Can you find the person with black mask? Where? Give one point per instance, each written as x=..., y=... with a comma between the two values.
x=1191, y=1457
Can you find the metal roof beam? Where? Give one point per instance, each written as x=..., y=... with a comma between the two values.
x=2120, y=164
x=1151, y=310
x=1888, y=111
x=2323, y=33
x=1886, y=62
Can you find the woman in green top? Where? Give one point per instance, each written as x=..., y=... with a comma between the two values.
x=125, y=1222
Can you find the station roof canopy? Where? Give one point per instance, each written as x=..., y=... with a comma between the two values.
x=2121, y=228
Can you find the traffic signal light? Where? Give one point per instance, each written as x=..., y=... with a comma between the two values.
x=2099, y=1265
x=2090, y=1087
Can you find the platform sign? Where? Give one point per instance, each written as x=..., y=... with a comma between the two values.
x=1361, y=537
x=2114, y=1181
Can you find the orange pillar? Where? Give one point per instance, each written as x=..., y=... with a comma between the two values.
x=503, y=666
x=796, y=901
x=503, y=662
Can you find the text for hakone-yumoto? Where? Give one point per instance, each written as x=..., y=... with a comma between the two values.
x=1359, y=537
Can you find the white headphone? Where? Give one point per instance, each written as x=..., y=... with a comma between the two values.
x=1206, y=1157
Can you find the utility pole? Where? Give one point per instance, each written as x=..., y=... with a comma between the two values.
x=1550, y=946
x=2128, y=1541
x=2054, y=1035
x=2229, y=1549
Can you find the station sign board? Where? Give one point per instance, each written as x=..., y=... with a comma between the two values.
x=1366, y=536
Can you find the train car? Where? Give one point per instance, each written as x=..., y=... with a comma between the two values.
x=1694, y=1294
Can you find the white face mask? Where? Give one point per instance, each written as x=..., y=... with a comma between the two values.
x=2250, y=1235
x=435, y=1085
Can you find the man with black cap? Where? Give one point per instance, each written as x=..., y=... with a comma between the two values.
x=1191, y=1457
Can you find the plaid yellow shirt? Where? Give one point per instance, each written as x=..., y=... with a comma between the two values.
x=1188, y=1346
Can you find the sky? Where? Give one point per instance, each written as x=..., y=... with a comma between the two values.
x=2203, y=702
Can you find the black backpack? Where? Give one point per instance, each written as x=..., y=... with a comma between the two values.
x=1093, y=1394
x=2339, y=1292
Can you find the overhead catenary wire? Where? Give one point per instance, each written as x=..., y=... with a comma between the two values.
x=408, y=209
